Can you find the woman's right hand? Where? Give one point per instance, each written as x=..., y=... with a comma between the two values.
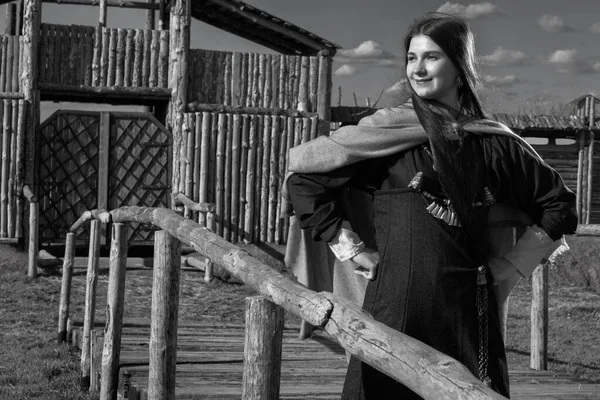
x=368, y=261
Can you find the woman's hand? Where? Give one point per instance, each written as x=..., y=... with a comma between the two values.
x=368, y=261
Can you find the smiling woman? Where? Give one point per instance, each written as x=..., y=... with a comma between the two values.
x=431, y=224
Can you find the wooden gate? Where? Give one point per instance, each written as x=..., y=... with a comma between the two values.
x=91, y=160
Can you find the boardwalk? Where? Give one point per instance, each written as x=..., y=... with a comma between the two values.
x=210, y=362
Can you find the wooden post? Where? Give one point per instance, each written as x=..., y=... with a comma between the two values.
x=96, y=345
x=179, y=47
x=28, y=82
x=262, y=349
x=578, y=194
x=114, y=313
x=34, y=212
x=65, y=290
x=102, y=16
x=150, y=17
x=324, y=92
x=539, y=319
x=90, y=302
x=590, y=173
x=11, y=19
x=163, y=15
x=165, y=306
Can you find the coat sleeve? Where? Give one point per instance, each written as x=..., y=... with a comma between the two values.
x=528, y=182
x=315, y=199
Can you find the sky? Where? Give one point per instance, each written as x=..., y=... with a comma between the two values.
x=530, y=52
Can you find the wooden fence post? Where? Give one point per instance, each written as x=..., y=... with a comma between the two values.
x=96, y=345
x=34, y=212
x=590, y=174
x=324, y=92
x=90, y=302
x=165, y=307
x=262, y=349
x=114, y=313
x=65, y=290
x=539, y=318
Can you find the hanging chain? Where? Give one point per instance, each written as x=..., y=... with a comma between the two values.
x=482, y=319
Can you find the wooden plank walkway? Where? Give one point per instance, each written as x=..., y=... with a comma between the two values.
x=210, y=365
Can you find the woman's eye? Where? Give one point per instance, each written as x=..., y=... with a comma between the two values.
x=432, y=57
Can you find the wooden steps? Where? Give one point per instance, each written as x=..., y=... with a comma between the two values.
x=210, y=366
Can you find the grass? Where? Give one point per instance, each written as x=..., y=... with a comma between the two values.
x=34, y=366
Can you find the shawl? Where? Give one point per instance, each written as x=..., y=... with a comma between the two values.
x=388, y=131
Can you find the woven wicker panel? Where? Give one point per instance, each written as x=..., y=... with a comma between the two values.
x=68, y=161
x=139, y=160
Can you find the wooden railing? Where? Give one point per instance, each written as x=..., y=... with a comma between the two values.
x=423, y=369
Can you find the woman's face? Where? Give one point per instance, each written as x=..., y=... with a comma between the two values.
x=430, y=72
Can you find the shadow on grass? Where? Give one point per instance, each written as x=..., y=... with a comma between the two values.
x=553, y=360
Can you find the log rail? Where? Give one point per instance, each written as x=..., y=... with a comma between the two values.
x=425, y=370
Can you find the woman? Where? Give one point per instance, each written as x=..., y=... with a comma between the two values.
x=428, y=264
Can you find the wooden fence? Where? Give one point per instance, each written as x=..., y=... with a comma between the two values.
x=94, y=56
x=11, y=50
x=238, y=162
x=254, y=80
x=423, y=369
x=12, y=148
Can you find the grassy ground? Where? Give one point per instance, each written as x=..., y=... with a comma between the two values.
x=33, y=366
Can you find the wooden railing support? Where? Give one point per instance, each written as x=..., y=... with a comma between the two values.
x=65, y=290
x=34, y=213
x=96, y=346
x=539, y=318
x=262, y=349
x=114, y=313
x=165, y=307
x=90, y=302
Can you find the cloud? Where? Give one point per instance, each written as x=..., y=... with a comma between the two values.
x=505, y=57
x=346, y=70
x=471, y=11
x=563, y=57
x=595, y=28
x=370, y=53
x=506, y=80
x=567, y=61
x=553, y=23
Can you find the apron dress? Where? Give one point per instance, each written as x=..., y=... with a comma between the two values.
x=426, y=287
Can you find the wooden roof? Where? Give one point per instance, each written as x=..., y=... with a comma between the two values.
x=251, y=23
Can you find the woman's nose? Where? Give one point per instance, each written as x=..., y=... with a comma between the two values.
x=420, y=69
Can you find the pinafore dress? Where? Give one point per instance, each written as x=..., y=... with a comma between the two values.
x=426, y=287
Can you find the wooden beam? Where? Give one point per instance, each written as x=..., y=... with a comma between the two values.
x=539, y=319
x=165, y=307
x=11, y=19
x=262, y=349
x=588, y=230
x=114, y=313
x=270, y=25
x=102, y=15
x=109, y=3
x=220, y=108
x=111, y=93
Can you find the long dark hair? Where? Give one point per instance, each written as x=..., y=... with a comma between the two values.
x=458, y=155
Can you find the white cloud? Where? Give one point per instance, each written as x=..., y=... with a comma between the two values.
x=505, y=57
x=566, y=61
x=368, y=52
x=553, y=23
x=346, y=70
x=506, y=80
x=595, y=28
x=470, y=11
x=562, y=57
